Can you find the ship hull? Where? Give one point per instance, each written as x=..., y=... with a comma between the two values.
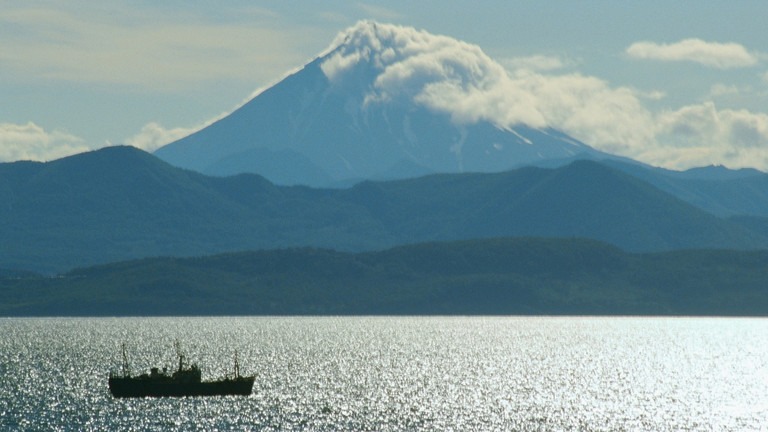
x=138, y=387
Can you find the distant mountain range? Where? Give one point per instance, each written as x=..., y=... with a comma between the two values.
x=121, y=203
x=335, y=121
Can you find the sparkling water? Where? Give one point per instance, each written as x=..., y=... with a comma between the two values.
x=386, y=373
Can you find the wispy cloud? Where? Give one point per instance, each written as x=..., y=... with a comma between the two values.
x=153, y=136
x=379, y=12
x=712, y=54
x=537, y=63
x=142, y=47
x=720, y=89
x=32, y=142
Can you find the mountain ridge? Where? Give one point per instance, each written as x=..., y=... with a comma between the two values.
x=57, y=217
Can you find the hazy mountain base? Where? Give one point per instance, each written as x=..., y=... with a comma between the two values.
x=498, y=276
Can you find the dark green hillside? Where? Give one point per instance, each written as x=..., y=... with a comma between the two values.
x=495, y=276
x=587, y=199
x=16, y=274
x=716, y=190
x=583, y=199
x=121, y=203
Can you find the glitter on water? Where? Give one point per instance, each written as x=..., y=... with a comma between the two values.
x=385, y=373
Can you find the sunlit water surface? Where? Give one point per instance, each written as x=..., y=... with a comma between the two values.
x=500, y=373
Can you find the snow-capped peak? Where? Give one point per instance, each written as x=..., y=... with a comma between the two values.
x=382, y=101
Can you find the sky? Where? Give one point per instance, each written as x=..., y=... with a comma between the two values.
x=673, y=84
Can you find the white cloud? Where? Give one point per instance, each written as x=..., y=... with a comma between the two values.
x=459, y=79
x=608, y=118
x=697, y=135
x=32, y=142
x=712, y=54
x=451, y=76
x=153, y=136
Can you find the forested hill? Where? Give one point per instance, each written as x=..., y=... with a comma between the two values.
x=498, y=276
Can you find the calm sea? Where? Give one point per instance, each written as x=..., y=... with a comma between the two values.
x=381, y=374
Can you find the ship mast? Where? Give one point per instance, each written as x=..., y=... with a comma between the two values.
x=237, y=366
x=126, y=367
x=177, y=345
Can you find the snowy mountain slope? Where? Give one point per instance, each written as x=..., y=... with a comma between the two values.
x=382, y=102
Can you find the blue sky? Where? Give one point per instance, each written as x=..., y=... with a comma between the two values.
x=689, y=79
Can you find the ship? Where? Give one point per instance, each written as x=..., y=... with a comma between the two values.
x=185, y=381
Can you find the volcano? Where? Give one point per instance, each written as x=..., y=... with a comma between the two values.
x=382, y=102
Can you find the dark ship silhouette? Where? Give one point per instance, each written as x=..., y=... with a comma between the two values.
x=186, y=381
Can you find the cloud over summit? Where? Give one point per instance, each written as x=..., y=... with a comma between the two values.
x=458, y=78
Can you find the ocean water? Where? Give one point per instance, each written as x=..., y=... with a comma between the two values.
x=390, y=374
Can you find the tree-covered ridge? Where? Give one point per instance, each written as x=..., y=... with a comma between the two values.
x=494, y=276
